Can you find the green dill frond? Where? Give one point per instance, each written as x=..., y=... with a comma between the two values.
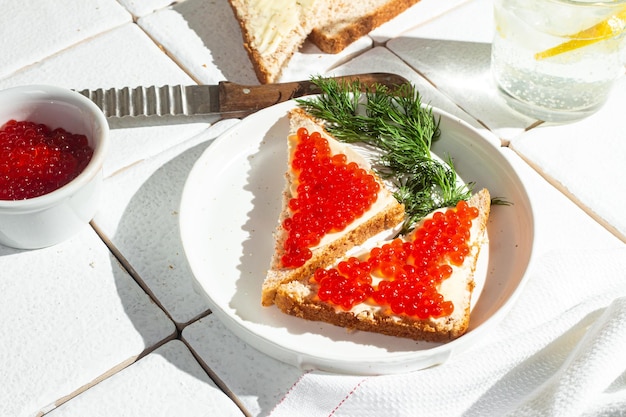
x=397, y=124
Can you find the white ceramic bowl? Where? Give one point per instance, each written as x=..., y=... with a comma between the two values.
x=54, y=217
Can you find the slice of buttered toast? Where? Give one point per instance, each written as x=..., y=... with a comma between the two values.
x=273, y=30
x=332, y=202
x=418, y=287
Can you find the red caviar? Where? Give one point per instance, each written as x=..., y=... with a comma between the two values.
x=35, y=160
x=408, y=273
x=331, y=194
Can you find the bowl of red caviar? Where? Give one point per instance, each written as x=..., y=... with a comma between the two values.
x=53, y=142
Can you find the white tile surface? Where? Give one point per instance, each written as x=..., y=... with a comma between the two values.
x=141, y=218
x=123, y=56
x=555, y=214
x=167, y=382
x=69, y=315
x=54, y=28
x=585, y=159
x=454, y=53
x=453, y=23
x=204, y=38
x=259, y=381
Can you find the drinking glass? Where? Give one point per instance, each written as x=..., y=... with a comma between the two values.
x=556, y=60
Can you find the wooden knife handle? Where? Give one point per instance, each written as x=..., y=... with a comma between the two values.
x=236, y=100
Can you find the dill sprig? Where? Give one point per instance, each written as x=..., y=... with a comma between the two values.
x=394, y=122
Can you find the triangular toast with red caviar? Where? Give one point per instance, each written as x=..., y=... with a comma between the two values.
x=417, y=287
x=333, y=202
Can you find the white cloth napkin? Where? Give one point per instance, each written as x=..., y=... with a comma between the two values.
x=561, y=351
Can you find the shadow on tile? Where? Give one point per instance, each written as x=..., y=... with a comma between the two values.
x=462, y=71
x=148, y=235
x=215, y=24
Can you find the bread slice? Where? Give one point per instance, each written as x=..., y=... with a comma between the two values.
x=300, y=297
x=384, y=214
x=350, y=20
x=273, y=31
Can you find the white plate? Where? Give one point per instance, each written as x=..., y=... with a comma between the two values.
x=229, y=209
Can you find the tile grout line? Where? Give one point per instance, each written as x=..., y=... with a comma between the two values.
x=168, y=54
x=570, y=196
x=117, y=254
x=431, y=82
x=177, y=335
x=106, y=375
x=217, y=380
x=132, y=272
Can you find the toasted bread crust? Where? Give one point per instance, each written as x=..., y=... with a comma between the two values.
x=354, y=20
x=432, y=331
x=298, y=298
x=326, y=255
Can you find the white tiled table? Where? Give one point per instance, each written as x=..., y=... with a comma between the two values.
x=108, y=323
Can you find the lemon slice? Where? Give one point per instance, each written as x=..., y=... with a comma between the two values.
x=609, y=28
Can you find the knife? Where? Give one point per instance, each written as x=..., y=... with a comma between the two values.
x=226, y=99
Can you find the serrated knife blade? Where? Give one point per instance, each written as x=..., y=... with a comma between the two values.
x=226, y=99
